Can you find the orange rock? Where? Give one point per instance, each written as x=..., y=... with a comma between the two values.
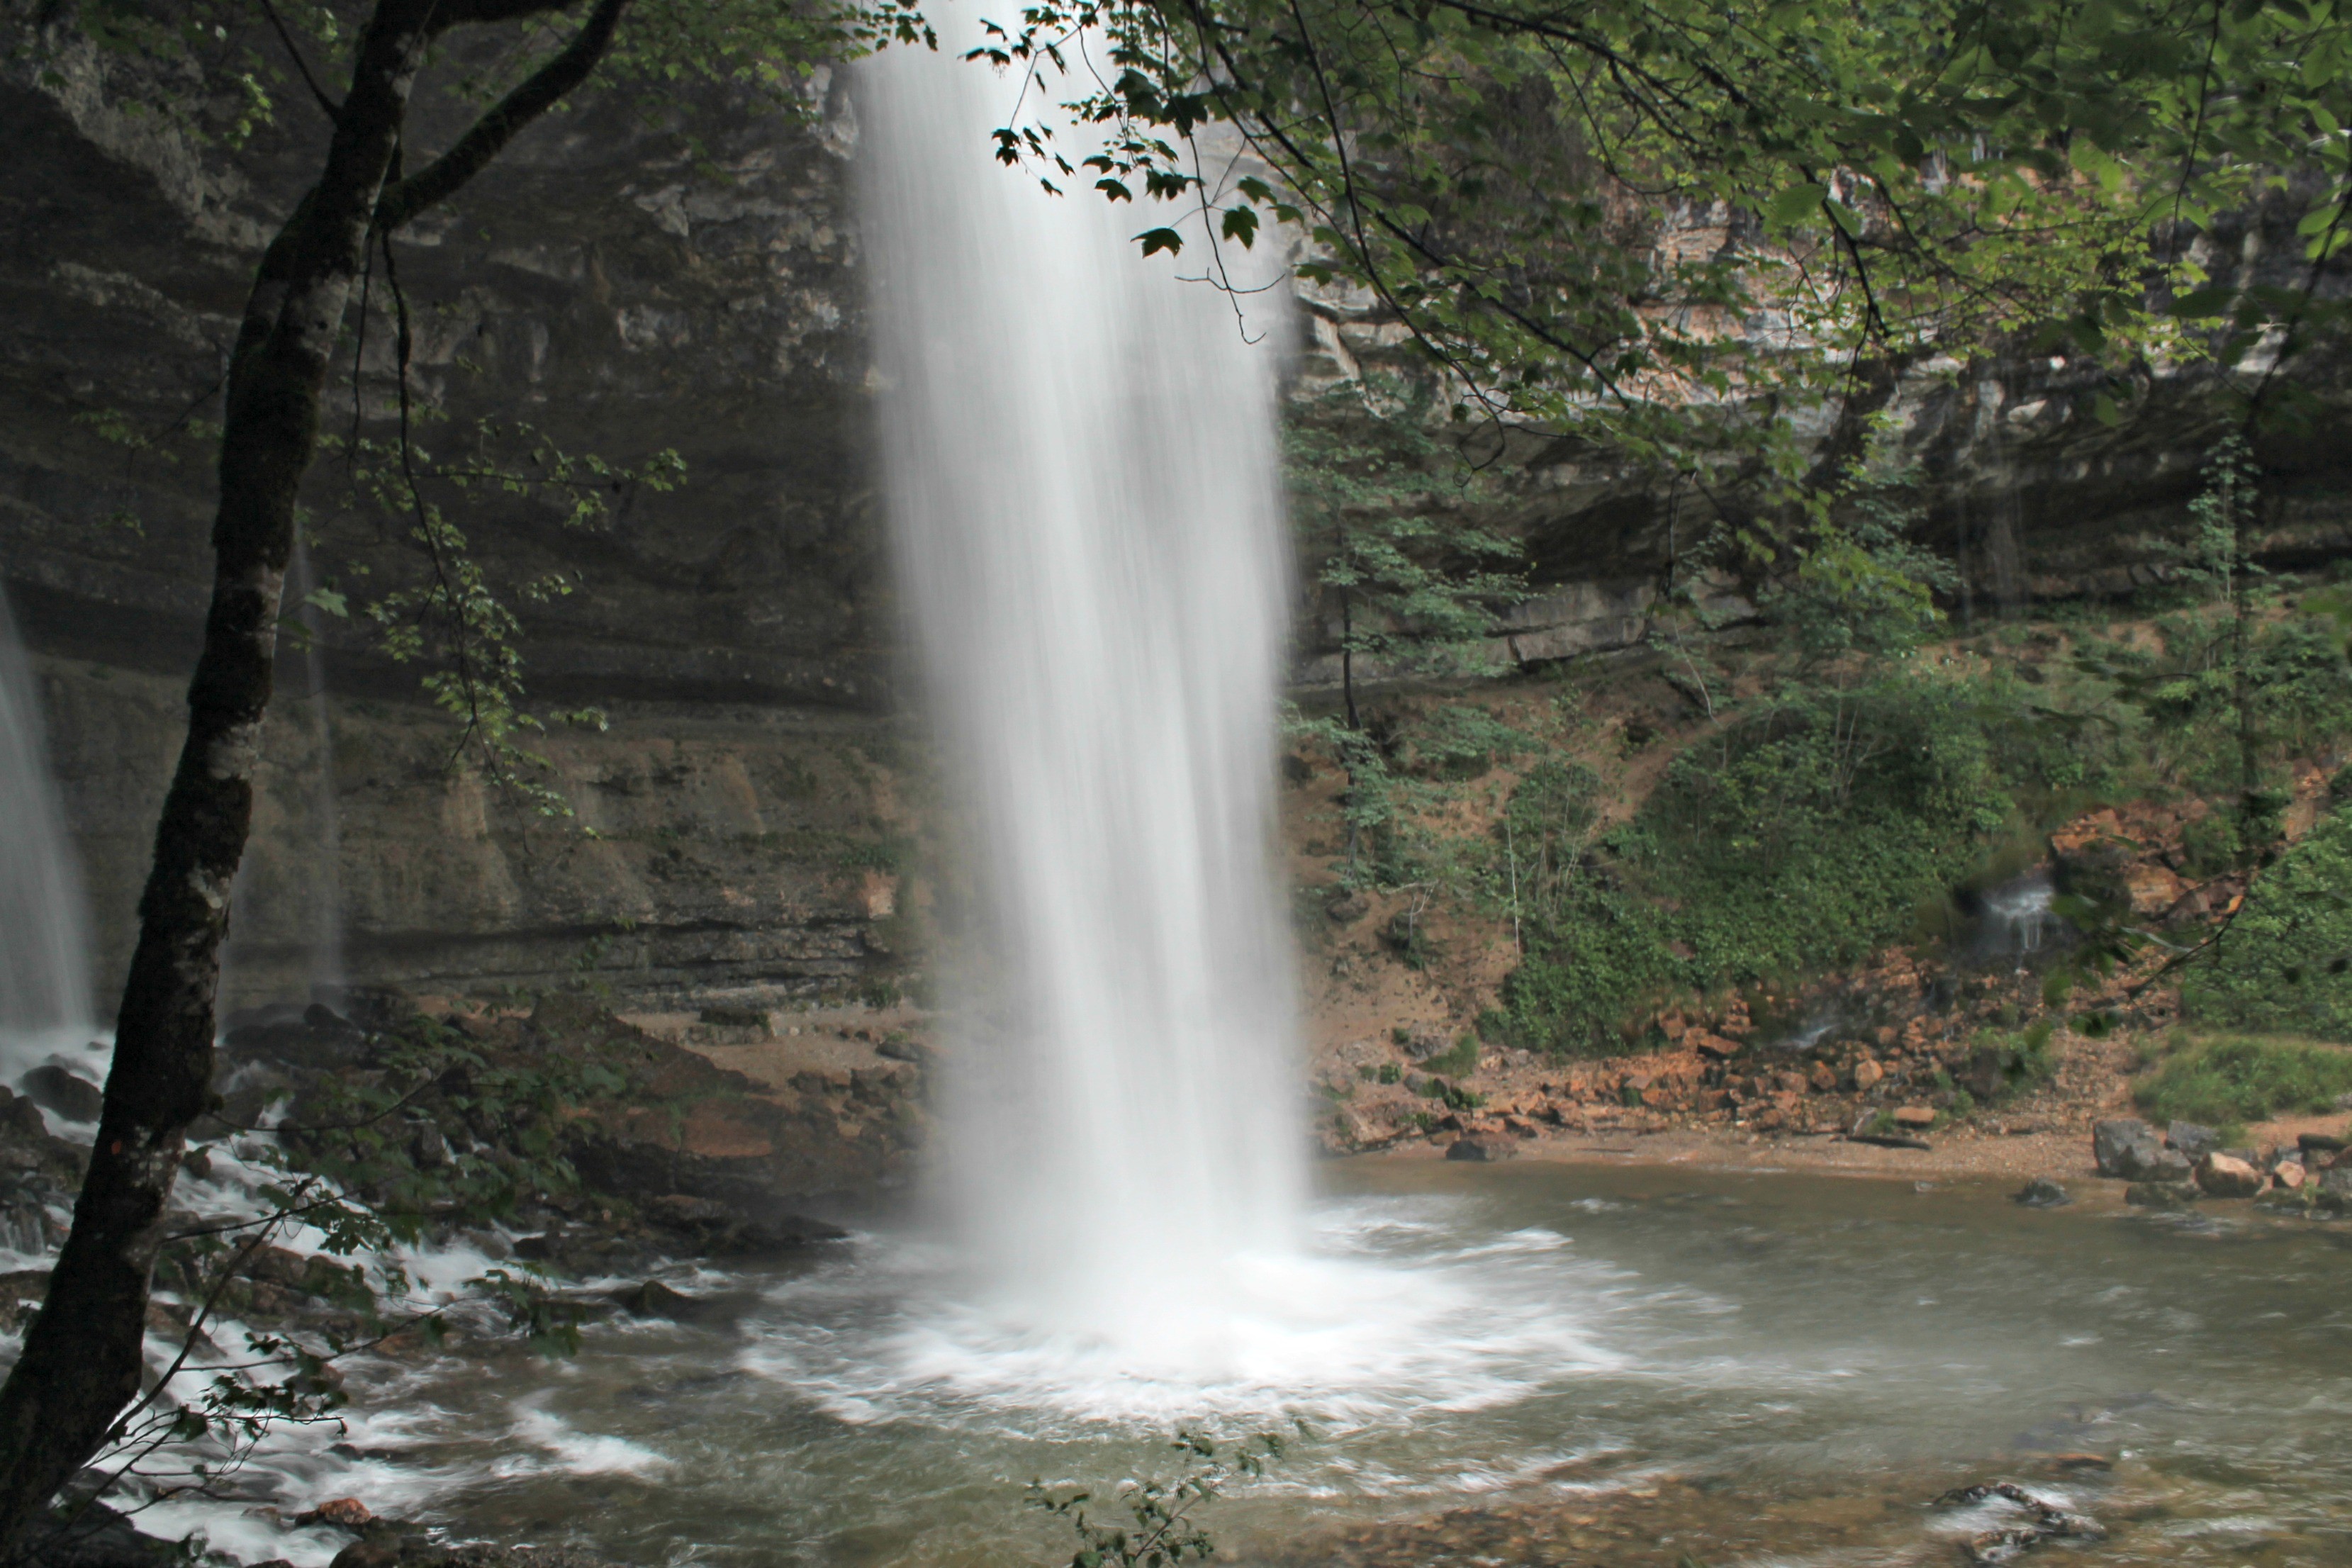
x=2154, y=888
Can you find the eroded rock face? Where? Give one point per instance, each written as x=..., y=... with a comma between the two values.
x=622, y=290
x=720, y=852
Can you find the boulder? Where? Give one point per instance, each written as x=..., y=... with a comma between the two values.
x=653, y=1298
x=343, y=1512
x=1915, y=1116
x=1484, y=1147
x=317, y=1039
x=2335, y=1190
x=2043, y=1192
x=2121, y=1146
x=2193, y=1141
x=1866, y=1074
x=96, y=1537
x=2223, y=1175
x=2307, y=1142
x=1987, y=1073
x=2288, y=1175
x=60, y=1093
x=1422, y=1044
x=718, y=1230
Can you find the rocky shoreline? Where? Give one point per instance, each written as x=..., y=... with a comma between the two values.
x=624, y=1156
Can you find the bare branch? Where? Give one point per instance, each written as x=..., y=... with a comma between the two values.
x=538, y=93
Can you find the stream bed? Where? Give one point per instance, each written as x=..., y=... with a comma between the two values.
x=1496, y=1364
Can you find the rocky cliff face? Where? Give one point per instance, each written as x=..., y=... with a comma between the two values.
x=620, y=290
x=625, y=289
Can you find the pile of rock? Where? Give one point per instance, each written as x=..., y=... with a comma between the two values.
x=2186, y=1163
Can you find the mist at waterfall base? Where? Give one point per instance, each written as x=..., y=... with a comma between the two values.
x=45, y=976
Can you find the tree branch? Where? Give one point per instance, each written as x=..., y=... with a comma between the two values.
x=541, y=91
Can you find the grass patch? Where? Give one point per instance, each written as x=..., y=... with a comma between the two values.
x=2226, y=1082
x=1459, y=1060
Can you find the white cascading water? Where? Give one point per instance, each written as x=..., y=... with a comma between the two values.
x=1083, y=488
x=44, y=983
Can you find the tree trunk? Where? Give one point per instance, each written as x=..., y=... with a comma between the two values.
x=81, y=1359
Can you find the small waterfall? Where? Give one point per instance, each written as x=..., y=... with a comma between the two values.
x=1080, y=468
x=2017, y=921
x=44, y=980
x=327, y=974
x=286, y=923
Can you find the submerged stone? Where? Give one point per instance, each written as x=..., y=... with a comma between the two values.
x=2161, y=1194
x=2043, y=1192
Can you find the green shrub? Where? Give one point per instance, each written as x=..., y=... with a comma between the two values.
x=2285, y=964
x=1804, y=836
x=2228, y=1081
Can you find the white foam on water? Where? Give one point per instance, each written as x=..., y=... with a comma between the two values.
x=576, y=1452
x=1389, y=1313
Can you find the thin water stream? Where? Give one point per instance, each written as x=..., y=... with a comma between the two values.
x=45, y=983
x=1550, y=1338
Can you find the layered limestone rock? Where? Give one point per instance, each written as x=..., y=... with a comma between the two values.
x=620, y=290
x=721, y=853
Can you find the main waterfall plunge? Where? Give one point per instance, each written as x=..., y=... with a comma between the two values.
x=1082, y=483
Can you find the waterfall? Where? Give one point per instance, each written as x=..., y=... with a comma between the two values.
x=327, y=975
x=1080, y=466
x=44, y=985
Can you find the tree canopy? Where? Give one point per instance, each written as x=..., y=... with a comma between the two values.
x=1608, y=214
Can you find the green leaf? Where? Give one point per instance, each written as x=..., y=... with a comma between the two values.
x=1156, y=240
x=1795, y=205
x=1240, y=223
